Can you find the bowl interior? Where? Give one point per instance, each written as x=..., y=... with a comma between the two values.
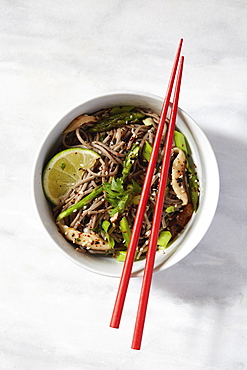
x=207, y=172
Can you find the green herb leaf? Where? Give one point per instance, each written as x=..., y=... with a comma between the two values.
x=105, y=226
x=121, y=206
x=63, y=165
x=136, y=188
x=119, y=197
x=117, y=185
x=116, y=194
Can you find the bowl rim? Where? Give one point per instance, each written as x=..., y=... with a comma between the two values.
x=210, y=195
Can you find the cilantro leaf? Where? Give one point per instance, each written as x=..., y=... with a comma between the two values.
x=122, y=204
x=119, y=197
x=105, y=226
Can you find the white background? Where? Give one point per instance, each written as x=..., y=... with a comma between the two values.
x=53, y=56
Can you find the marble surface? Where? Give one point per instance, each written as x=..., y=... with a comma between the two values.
x=54, y=55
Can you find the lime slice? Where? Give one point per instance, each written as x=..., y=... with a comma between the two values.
x=64, y=170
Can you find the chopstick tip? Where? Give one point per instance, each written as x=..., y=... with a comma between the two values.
x=114, y=323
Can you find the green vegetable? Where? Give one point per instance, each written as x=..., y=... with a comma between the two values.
x=105, y=226
x=121, y=109
x=136, y=188
x=121, y=206
x=136, y=199
x=180, y=141
x=163, y=239
x=114, y=188
x=126, y=231
x=129, y=160
x=83, y=202
x=117, y=196
x=121, y=256
x=148, y=121
x=170, y=209
x=193, y=187
x=147, y=150
x=116, y=120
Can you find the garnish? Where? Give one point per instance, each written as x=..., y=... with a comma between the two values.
x=118, y=196
x=105, y=227
x=65, y=170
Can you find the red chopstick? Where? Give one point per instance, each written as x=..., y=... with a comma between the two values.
x=149, y=265
x=127, y=267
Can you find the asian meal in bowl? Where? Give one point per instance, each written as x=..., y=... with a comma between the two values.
x=94, y=181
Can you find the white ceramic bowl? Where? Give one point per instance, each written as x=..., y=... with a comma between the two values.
x=207, y=170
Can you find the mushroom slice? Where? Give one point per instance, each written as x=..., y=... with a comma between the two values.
x=90, y=240
x=181, y=220
x=78, y=121
x=178, y=170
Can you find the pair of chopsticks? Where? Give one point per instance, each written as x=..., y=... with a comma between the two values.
x=150, y=258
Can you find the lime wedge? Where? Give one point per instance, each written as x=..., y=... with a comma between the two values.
x=64, y=170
